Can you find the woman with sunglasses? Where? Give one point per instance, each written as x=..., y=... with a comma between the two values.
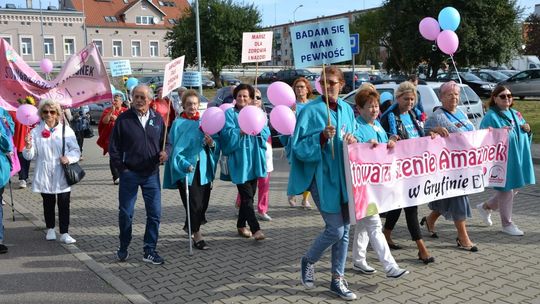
x=44, y=144
x=246, y=160
x=519, y=170
x=323, y=126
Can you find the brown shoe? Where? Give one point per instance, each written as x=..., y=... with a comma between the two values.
x=259, y=235
x=244, y=232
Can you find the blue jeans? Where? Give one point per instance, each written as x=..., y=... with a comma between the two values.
x=335, y=234
x=127, y=195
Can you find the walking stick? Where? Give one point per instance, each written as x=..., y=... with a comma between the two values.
x=11, y=197
x=188, y=217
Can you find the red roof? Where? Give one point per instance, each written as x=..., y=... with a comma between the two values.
x=96, y=10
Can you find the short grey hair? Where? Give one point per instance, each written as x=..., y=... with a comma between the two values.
x=51, y=104
x=149, y=91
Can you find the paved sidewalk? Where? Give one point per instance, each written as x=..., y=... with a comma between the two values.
x=237, y=270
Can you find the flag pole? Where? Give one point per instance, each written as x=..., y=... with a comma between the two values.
x=327, y=107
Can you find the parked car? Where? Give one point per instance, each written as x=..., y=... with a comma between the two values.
x=524, y=84
x=480, y=87
x=470, y=102
x=266, y=77
x=207, y=83
x=508, y=73
x=357, y=78
x=491, y=75
x=228, y=80
x=289, y=75
x=148, y=80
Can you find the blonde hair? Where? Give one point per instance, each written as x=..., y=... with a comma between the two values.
x=406, y=87
x=51, y=104
x=367, y=86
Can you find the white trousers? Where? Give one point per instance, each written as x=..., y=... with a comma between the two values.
x=369, y=229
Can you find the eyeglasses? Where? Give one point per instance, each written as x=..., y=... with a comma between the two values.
x=258, y=97
x=505, y=96
x=52, y=112
x=331, y=83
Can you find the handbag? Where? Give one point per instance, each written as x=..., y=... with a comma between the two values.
x=73, y=172
x=88, y=132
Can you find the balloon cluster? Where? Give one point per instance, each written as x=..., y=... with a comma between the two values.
x=448, y=20
x=282, y=118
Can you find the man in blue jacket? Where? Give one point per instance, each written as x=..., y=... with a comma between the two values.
x=136, y=151
x=6, y=129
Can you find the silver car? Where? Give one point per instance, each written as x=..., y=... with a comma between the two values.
x=524, y=84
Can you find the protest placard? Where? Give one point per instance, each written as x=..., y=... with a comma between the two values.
x=120, y=68
x=321, y=43
x=420, y=170
x=257, y=47
x=172, y=77
x=191, y=79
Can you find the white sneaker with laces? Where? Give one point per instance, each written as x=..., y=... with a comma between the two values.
x=51, y=235
x=396, y=273
x=512, y=230
x=67, y=239
x=484, y=214
x=364, y=268
x=22, y=184
x=264, y=217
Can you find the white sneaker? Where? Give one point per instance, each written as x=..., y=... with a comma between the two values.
x=364, y=268
x=512, y=230
x=3, y=202
x=484, y=214
x=116, y=181
x=22, y=184
x=396, y=273
x=67, y=239
x=264, y=217
x=292, y=201
x=51, y=235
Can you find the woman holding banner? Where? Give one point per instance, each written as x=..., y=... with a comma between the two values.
x=401, y=122
x=369, y=228
x=449, y=119
x=246, y=160
x=519, y=170
x=324, y=125
x=194, y=155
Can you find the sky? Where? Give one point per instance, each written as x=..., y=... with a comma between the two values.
x=284, y=11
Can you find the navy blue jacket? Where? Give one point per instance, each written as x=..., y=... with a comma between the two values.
x=136, y=148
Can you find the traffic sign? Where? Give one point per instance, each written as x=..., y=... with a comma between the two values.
x=355, y=43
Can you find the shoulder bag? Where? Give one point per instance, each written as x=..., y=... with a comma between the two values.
x=73, y=172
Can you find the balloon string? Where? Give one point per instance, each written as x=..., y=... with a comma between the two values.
x=461, y=82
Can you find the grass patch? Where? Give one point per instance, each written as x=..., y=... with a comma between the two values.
x=530, y=109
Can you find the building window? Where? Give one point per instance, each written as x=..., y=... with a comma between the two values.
x=48, y=46
x=173, y=21
x=99, y=46
x=135, y=49
x=7, y=39
x=144, y=20
x=26, y=46
x=154, y=48
x=117, y=48
x=110, y=18
x=69, y=46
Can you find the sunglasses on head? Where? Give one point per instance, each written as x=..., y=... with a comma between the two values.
x=52, y=112
x=505, y=96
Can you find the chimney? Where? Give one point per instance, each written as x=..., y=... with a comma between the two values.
x=29, y=4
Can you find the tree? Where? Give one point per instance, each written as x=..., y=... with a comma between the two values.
x=489, y=32
x=222, y=23
x=532, y=42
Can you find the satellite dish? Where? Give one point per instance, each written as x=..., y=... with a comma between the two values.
x=156, y=20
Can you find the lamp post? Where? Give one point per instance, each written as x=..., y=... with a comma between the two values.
x=198, y=33
x=294, y=13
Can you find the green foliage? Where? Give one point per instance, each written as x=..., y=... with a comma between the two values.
x=489, y=32
x=222, y=23
x=532, y=44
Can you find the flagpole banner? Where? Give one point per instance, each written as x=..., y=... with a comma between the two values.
x=82, y=80
x=172, y=76
x=321, y=43
x=257, y=46
x=421, y=170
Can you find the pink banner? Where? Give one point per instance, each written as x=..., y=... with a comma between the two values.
x=421, y=170
x=82, y=80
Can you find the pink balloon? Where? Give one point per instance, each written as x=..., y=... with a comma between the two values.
x=318, y=85
x=448, y=42
x=429, y=28
x=212, y=120
x=283, y=119
x=27, y=114
x=251, y=120
x=280, y=93
x=46, y=65
x=224, y=107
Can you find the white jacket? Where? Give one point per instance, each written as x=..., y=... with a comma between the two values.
x=48, y=172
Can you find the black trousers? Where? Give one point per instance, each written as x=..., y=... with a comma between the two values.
x=25, y=167
x=411, y=215
x=49, y=206
x=246, y=212
x=199, y=196
x=114, y=172
x=79, y=135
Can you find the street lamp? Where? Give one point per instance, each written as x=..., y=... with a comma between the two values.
x=294, y=13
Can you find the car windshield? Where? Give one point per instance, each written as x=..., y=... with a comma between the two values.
x=466, y=95
x=469, y=76
x=499, y=76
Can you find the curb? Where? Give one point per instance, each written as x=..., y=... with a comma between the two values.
x=104, y=273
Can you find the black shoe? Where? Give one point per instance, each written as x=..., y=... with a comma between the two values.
x=472, y=248
x=201, y=245
x=3, y=248
x=394, y=246
x=432, y=233
x=427, y=260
